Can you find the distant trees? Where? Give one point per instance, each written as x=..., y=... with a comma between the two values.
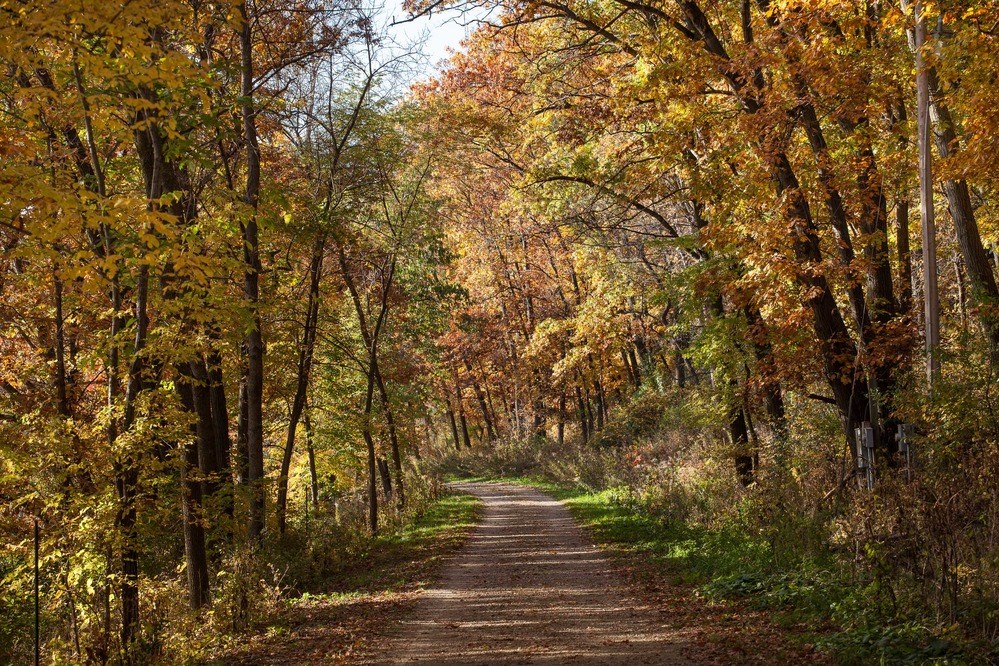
x=736, y=164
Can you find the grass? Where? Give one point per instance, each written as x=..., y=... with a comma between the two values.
x=365, y=594
x=812, y=598
x=405, y=557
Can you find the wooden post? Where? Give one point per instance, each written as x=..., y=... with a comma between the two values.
x=931, y=296
x=38, y=646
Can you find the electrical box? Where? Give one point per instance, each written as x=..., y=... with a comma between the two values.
x=864, y=437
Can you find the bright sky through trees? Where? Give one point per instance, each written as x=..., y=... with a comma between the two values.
x=440, y=33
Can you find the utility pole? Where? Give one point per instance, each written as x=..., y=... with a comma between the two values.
x=38, y=644
x=931, y=296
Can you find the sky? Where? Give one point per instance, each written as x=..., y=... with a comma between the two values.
x=441, y=31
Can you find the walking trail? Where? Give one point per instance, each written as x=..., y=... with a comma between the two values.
x=530, y=588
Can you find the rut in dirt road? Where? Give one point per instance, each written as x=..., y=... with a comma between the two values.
x=529, y=588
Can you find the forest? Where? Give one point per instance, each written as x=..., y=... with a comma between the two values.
x=721, y=272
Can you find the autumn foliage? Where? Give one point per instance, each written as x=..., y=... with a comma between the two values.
x=247, y=282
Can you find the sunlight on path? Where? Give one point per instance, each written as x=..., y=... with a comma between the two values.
x=528, y=588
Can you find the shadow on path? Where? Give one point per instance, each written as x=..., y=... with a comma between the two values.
x=529, y=588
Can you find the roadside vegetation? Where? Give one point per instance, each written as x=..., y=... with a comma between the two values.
x=335, y=614
x=813, y=571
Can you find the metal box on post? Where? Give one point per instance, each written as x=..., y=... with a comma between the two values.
x=864, y=437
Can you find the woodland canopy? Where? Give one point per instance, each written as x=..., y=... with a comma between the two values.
x=258, y=296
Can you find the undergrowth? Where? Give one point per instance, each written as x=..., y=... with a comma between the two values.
x=847, y=613
x=338, y=577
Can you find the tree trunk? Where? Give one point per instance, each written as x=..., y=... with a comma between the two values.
x=386, y=477
x=899, y=116
x=254, y=378
x=679, y=370
x=393, y=436
x=962, y=297
x=461, y=417
x=313, y=477
x=242, y=455
x=369, y=443
x=628, y=371
x=904, y=253
x=199, y=402
x=561, y=419
x=454, y=425
x=62, y=395
x=584, y=422
x=370, y=393
x=195, y=553
x=633, y=357
x=306, y=351
x=744, y=456
x=874, y=224
x=481, y=398
x=762, y=351
x=590, y=423
x=601, y=404
x=127, y=476
x=220, y=420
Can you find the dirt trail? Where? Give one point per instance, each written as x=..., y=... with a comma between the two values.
x=529, y=588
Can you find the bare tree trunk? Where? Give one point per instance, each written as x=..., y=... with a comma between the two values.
x=481, y=398
x=369, y=443
x=369, y=394
x=601, y=404
x=927, y=209
x=962, y=296
x=62, y=395
x=242, y=454
x=628, y=371
x=633, y=357
x=902, y=205
x=199, y=402
x=679, y=369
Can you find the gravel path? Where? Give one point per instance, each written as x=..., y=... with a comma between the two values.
x=529, y=588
